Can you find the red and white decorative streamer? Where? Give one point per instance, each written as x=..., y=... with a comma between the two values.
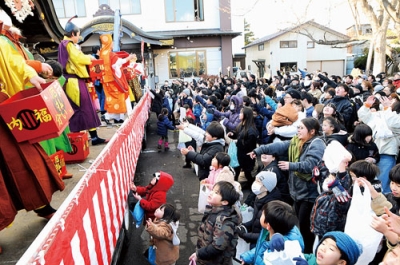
x=86, y=226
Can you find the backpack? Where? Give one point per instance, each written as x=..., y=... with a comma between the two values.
x=328, y=214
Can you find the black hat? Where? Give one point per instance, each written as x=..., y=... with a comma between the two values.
x=294, y=93
x=71, y=27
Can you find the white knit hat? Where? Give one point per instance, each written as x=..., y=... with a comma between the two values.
x=268, y=179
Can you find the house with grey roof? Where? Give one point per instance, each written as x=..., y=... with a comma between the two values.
x=298, y=47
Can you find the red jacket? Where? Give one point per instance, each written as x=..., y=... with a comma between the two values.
x=155, y=196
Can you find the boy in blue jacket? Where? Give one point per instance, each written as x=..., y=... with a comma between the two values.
x=277, y=217
x=163, y=124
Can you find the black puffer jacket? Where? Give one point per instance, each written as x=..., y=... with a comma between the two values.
x=207, y=153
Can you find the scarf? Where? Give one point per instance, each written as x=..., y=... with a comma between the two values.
x=294, y=153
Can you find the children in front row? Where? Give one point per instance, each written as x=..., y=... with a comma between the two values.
x=163, y=234
x=334, y=248
x=277, y=217
x=154, y=194
x=217, y=237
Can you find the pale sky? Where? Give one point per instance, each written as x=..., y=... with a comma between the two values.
x=268, y=16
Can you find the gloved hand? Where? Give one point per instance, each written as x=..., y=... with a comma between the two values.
x=300, y=261
x=241, y=229
x=277, y=242
x=340, y=193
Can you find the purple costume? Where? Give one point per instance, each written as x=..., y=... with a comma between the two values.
x=85, y=116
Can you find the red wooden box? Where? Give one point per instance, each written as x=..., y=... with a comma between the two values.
x=59, y=162
x=36, y=116
x=80, y=147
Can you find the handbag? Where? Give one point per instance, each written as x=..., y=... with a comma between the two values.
x=150, y=255
x=203, y=194
x=232, y=152
x=138, y=214
x=358, y=227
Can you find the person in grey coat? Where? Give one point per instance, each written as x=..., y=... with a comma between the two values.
x=305, y=151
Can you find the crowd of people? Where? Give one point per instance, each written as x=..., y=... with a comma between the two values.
x=274, y=133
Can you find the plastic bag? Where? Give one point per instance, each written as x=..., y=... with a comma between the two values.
x=333, y=155
x=358, y=226
x=285, y=257
x=232, y=152
x=203, y=194
x=241, y=247
x=247, y=213
x=138, y=214
x=183, y=137
x=150, y=255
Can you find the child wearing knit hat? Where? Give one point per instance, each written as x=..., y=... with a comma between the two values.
x=335, y=247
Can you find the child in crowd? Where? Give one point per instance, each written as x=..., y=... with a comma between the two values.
x=270, y=163
x=163, y=234
x=214, y=143
x=276, y=217
x=217, y=237
x=154, y=194
x=163, y=124
x=362, y=146
x=219, y=165
x=264, y=188
x=334, y=248
x=331, y=130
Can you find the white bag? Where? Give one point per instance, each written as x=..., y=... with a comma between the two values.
x=285, y=257
x=333, y=156
x=247, y=213
x=203, y=194
x=241, y=247
x=358, y=225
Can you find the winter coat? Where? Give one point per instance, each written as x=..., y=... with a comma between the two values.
x=361, y=152
x=153, y=196
x=232, y=116
x=266, y=115
x=328, y=214
x=163, y=124
x=157, y=103
x=281, y=180
x=245, y=144
x=216, y=244
x=161, y=236
x=254, y=226
x=207, y=153
x=389, y=145
x=310, y=155
x=167, y=103
x=343, y=106
x=197, y=110
x=256, y=255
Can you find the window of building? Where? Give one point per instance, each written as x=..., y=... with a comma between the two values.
x=310, y=45
x=184, y=10
x=126, y=7
x=187, y=64
x=261, y=47
x=288, y=67
x=368, y=31
x=69, y=8
x=288, y=44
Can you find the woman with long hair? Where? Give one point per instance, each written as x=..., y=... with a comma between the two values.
x=246, y=134
x=304, y=151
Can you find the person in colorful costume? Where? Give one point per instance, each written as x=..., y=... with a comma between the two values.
x=74, y=63
x=12, y=35
x=28, y=177
x=115, y=85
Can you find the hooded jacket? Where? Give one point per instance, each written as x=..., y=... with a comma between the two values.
x=153, y=196
x=232, y=116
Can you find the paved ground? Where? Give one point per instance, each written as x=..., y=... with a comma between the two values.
x=17, y=238
x=184, y=194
